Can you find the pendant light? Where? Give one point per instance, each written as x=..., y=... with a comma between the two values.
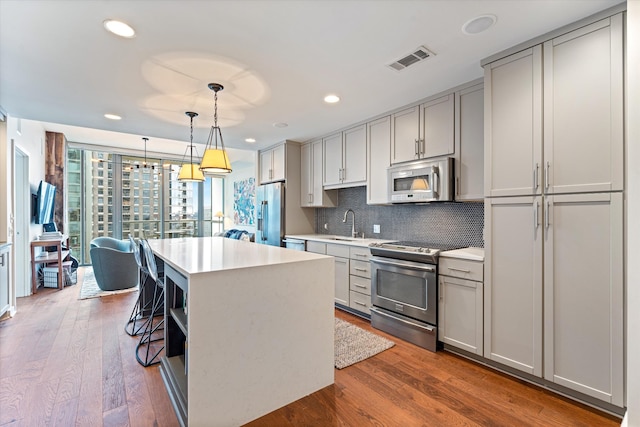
x=190, y=172
x=215, y=160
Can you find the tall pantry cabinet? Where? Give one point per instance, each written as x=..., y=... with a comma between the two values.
x=554, y=210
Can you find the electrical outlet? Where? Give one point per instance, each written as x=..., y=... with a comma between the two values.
x=376, y=228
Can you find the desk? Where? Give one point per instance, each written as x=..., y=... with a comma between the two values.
x=47, y=258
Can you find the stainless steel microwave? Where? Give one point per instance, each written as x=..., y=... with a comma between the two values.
x=421, y=182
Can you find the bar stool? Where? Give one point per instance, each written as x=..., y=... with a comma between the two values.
x=149, y=347
x=142, y=308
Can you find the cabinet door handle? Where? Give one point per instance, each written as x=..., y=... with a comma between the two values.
x=359, y=286
x=2, y=260
x=546, y=177
x=535, y=176
x=546, y=216
x=360, y=269
x=341, y=261
x=457, y=186
x=360, y=303
x=416, y=148
x=422, y=147
x=362, y=255
x=535, y=216
x=441, y=293
x=459, y=269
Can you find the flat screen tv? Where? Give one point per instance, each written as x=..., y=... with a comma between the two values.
x=45, y=203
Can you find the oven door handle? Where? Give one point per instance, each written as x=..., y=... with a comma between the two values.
x=415, y=325
x=402, y=264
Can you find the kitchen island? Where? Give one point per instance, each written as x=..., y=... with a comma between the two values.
x=249, y=328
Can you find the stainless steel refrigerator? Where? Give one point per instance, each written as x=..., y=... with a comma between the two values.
x=270, y=214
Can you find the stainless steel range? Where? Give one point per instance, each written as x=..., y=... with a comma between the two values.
x=404, y=290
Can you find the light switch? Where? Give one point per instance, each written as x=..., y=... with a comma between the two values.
x=376, y=228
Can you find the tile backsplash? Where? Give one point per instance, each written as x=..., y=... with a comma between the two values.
x=442, y=223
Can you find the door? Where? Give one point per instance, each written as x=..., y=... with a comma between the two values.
x=405, y=135
x=379, y=148
x=583, y=294
x=332, y=159
x=513, y=283
x=355, y=155
x=583, y=109
x=21, y=238
x=513, y=124
x=437, y=127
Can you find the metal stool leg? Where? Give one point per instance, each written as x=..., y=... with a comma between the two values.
x=147, y=351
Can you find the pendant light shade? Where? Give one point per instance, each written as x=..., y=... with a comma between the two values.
x=190, y=172
x=215, y=159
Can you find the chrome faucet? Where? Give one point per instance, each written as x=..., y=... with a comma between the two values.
x=353, y=222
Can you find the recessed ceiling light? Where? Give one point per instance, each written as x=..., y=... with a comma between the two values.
x=119, y=28
x=113, y=116
x=280, y=125
x=331, y=99
x=250, y=140
x=479, y=24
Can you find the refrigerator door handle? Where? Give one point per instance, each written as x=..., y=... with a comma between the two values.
x=263, y=209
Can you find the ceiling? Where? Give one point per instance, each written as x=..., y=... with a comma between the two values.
x=276, y=59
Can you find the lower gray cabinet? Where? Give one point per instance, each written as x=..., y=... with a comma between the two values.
x=460, y=308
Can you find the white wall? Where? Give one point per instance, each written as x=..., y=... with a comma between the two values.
x=633, y=210
x=243, y=171
x=5, y=179
x=32, y=142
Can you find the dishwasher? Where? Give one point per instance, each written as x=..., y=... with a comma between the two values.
x=295, y=244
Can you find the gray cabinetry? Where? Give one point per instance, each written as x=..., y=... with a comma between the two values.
x=271, y=163
x=564, y=157
x=379, y=159
x=437, y=127
x=513, y=124
x=345, y=158
x=422, y=131
x=312, y=193
x=583, y=295
x=341, y=255
x=583, y=109
x=513, y=283
x=469, y=139
x=360, y=279
x=460, y=308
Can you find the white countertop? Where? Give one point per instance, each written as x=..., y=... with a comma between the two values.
x=193, y=255
x=473, y=254
x=341, y=240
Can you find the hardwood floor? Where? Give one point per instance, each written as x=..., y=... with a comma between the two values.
x=65, y=362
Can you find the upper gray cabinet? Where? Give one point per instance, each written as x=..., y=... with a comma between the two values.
x=513, y=124
x=312, y=194
x=583, y=109
x=580, y=119
x=345, y=158
x=379, y=159
x=272, y=164
x=469, y=139
x=422, y=131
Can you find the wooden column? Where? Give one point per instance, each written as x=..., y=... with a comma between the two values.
x=54, y=172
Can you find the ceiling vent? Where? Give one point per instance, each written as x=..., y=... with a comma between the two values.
x=419, y=54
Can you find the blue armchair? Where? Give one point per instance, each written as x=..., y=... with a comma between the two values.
x=114, y=263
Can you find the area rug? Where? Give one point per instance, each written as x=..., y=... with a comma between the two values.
x=90, y=287
x=353, y=344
